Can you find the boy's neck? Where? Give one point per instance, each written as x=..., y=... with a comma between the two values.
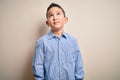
x=57, y=32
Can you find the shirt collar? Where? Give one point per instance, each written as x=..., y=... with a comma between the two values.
x=52, y=35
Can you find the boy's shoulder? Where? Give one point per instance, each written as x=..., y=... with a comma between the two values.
x=70, y=37
x=42, y=38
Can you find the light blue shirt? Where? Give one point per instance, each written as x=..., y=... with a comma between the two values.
x=57, y=58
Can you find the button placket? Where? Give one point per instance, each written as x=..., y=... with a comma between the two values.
x=60, y=59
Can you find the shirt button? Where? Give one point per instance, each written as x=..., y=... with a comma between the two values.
x=61, y=53
x=60, y=62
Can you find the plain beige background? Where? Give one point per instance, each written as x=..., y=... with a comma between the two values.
x=95, y=24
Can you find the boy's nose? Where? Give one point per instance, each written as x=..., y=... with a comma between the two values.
x=55, y=17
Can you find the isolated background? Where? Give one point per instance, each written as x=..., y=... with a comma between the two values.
x=95, y=24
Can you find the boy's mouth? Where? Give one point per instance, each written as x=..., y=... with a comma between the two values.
x=55, y=22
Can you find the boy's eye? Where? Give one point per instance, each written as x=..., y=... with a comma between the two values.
x=50, y=15
x=58, y=13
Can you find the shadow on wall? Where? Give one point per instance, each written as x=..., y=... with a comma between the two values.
x=42, y=30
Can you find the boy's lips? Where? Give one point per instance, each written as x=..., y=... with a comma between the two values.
x=56, y=22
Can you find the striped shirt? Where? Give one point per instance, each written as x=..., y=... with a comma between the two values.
x=57, y=58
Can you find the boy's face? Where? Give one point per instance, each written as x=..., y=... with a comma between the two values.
x=56, y=19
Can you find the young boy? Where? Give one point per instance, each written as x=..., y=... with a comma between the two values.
x=57, y=55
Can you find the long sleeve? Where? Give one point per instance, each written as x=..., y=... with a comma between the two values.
x=37, y=64
x=79, y=72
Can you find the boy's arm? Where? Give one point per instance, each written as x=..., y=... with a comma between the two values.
x=38, y=69
x=79, y=71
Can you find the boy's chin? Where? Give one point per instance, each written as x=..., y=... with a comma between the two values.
x=56, y=27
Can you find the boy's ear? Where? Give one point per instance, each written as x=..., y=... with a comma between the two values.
x=47, y=23
x=66, y=20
